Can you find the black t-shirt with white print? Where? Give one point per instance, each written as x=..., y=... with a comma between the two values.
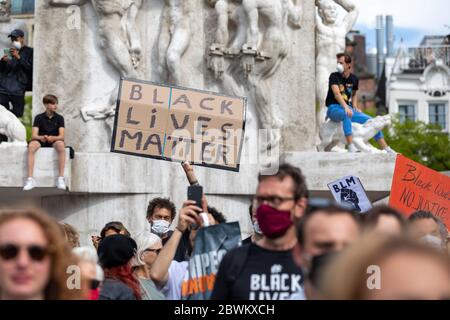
x=266, y=275
x=347, y=87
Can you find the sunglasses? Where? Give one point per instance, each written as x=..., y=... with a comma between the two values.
x=315, y=204
x=153, y=250
x=11, y=251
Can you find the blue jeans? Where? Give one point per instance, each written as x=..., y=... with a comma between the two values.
x=337, y=113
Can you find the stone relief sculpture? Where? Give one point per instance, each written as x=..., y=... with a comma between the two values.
x=331, y=133
x=226, y=48
x=5, y=10
x=261, y=53
x=121, y=49
x=174, y=38
x=11, y=127
x=330, y=40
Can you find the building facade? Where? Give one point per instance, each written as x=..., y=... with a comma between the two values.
x=418, y=82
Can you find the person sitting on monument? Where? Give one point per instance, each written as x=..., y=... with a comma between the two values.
x=342, y=102
x=47, y=131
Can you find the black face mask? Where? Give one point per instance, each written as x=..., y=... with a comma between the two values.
x=94, y=284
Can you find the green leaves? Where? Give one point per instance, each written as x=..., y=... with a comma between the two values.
x=421, y=142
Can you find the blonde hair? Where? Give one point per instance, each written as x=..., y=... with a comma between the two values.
x=144, y=241
x=88, y=254
x=59, y=251
x=346, y=277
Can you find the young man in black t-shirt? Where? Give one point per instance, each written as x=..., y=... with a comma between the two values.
x=265, y=270
x=342, y=103
x=47, y=132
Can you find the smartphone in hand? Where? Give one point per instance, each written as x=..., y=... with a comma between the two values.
x=195, y=193
x=7, y=52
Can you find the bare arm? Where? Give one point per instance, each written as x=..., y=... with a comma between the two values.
x=355, y=101
x=352, y=16
x=222, y=34
x=253, y=17
x=337, y=95
x=160, y=268
x=35, y=134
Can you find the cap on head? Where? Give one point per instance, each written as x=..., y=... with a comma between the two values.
x=116, y=250
x=16, y=33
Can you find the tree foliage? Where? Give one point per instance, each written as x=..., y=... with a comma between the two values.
x=424, y=143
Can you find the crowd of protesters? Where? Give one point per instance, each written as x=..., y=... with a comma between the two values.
x=302, y=248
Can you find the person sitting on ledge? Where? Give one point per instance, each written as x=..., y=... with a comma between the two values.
x=342, y=102
x=47, y=131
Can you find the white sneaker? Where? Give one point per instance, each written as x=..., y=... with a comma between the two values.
x=61, y=184
x=351, y=148
x=389, y=150
x=29, y=184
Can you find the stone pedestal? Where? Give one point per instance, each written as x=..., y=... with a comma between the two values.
x=106, y=187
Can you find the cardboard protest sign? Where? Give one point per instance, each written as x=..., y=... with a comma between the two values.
x=178, y=124
x=349, y=190
x=416, y=187
x=211, y=245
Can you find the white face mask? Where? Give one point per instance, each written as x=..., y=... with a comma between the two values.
x=17, y=45
x=340, y=68
x=256, y=228
x=432, y=241
x=160, y=227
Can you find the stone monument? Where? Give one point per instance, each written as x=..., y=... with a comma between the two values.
x=260, y=49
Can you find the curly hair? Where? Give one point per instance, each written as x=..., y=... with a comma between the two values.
x=71, y=234
x=59, y=251
x=160, y=203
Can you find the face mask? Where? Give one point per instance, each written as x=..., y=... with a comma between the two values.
x=160, y=227
x=273, y=223
x=340, y=68
x=432, y=241
x=17, y=45
x=256, y=228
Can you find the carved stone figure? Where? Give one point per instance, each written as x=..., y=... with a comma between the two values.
x=330, y=40
x=11, y=127
x=121, y=49
x=174, y=38
x=263, y=53
x=225, y=50
x=5, y=10
x=331, y=133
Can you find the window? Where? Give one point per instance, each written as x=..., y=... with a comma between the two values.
x=438, y=114
x=22, y=7
x=407, y=111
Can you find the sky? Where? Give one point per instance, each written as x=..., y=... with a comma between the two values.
x=412, y=19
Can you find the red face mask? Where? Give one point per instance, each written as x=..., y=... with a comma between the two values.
x=273, y=223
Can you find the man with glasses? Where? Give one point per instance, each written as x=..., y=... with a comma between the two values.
x=265, y=270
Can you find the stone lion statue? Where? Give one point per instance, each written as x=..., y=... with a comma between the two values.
x=11, y=127
x=331, y=134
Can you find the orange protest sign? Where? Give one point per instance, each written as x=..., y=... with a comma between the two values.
x=416, y=187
